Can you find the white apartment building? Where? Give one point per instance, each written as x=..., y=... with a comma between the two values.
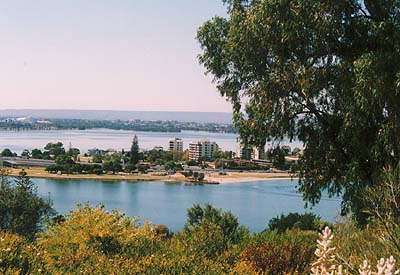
x=201, y=149
x=176, y=144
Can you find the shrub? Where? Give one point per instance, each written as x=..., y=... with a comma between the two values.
x=91, y=240
x=22, y=211
x=325, y=262
x=274, y=253
x=226, y=221
x=307, y=221
x=18, y=256
x=129, y=167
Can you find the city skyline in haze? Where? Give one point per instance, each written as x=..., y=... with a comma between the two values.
x=98, y=54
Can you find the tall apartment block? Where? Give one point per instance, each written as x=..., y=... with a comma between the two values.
x=201, y=149
x=176, y=144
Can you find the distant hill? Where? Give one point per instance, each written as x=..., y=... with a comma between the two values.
x=202, y=117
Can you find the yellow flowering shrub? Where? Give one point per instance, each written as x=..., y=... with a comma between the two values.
x=93, y=240
x=18, y=256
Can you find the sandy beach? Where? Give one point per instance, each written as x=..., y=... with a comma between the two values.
x=231, y=177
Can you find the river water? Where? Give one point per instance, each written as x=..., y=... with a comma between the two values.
x=254, y=203
x=17, y=141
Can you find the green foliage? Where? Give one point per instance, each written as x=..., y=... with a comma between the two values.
x=7, y=153
x=191, y=162
x=200, y=177
x=171, y=165
x=25, y=153
x=109, y=166
x=324, y=72
x=206, y=239
x=163, y=157
x=22, y=211
x=129, y=167
x=73, y=152
x=187, y=174
x=134, y=153
x=277, y=156
x=54, y=149
x=97, y=159
x=36, y=154
x=91, y=240
x=228, y=223
x=75, y=168
x=142, y=168
x=307, y=221
x=64, y=159
x=383, y=204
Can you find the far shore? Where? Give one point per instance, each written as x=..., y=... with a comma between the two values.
x=211, y=178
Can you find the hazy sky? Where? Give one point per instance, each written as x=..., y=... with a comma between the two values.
x=105, y=54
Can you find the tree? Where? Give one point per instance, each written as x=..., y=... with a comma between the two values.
x=324, y=72
x=25, y=153
x=225, y=220
x=383, y=203
x=36, y=154
x=277, y=156
x=64, y=159
x=306, y=221
x=200, y=177
x=7, y=153
x=97, y=159
x=74, y=152
x=134, y=154
x=55, y=149
x=142, y=168
x=22, y=211
x=129, y=168
x=112, y=166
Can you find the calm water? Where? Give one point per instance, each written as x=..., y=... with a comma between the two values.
x=254, y=203
x=17, y=141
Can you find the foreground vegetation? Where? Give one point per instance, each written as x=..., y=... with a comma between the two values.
x=94, y=241
x=91, y=240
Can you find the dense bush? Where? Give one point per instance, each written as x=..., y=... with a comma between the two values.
x=274, y=253
x=75, y=168
x=22, y=211
x=307, y=221
x=227, y=222
x=95, y=241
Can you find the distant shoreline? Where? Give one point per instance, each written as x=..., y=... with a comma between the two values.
x=185, y=116
x=210, y=178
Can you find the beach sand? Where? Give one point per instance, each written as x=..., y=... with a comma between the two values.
x=231, y=177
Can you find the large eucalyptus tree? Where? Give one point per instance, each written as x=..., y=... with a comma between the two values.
x=325, y=72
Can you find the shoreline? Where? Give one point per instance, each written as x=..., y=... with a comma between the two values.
x=210, y=178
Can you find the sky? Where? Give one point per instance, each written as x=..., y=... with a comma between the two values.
x=105, y=54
